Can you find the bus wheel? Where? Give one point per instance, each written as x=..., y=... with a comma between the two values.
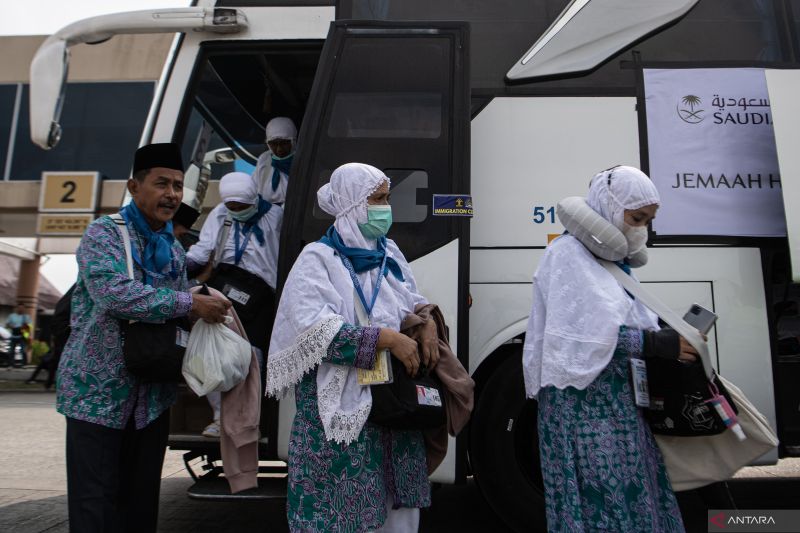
x=504, y=449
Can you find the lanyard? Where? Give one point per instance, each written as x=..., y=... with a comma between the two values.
x=237, y=251
x=349, y=266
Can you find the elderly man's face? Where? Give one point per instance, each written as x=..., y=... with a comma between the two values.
x=158, y=195
x=280, y=147
x=380, y=196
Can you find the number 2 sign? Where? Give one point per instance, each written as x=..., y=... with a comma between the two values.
x=69, y=192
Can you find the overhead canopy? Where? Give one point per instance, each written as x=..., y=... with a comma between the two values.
x=9, y=274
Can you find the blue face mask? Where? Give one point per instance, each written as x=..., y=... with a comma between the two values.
x=379, y=220
x=245, y=214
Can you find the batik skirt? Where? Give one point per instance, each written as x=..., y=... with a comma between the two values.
x=601, y=467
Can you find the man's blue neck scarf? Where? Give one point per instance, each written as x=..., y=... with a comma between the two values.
x=157, y=251
x=361, y=258
x=280, y=165
x=252, y=222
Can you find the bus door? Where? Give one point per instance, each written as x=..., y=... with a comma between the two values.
x=395, y=96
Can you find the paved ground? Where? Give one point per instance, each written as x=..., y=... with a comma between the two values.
x=33, y=484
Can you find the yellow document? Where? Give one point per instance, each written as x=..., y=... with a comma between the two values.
x=380, y=373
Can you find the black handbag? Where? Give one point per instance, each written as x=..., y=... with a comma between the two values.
x=248, y=292
x=679, y=392
x=252, y=298
x=154, y=352
x=679, y=399
x=408, y=402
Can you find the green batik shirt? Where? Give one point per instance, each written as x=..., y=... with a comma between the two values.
x=93, y=384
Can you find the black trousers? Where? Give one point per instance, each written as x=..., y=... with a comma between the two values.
x=114, y=476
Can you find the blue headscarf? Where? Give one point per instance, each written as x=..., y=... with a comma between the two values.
x=157, y=251
x=280, y=165
x=361, y=258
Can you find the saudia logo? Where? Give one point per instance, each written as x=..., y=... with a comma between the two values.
x=729, y=111
x=689, y=109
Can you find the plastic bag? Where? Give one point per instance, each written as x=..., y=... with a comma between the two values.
x=217, y=359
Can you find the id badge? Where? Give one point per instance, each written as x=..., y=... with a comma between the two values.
x=428, y=396
x=182, y=338
x=640, y=390
x=380, y=373
x=237, y=296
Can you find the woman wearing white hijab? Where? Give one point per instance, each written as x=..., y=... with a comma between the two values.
x=600, y=464
x=346, y=474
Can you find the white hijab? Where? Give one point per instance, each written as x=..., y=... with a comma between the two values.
x=613, y=191
x=345, y=197
x=238, y=187
x=281, y=128
x=578, y=307
x=319, y=297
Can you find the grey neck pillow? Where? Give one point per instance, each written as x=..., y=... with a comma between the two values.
x=597, y=234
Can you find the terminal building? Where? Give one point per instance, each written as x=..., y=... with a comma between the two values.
x=108, y=96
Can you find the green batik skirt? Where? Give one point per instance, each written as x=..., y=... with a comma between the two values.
x=601, y=467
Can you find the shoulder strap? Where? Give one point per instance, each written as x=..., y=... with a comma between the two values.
x=222, y=238
x=119, y=220
x=669, y=316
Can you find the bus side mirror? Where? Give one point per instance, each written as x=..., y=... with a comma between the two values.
x=48, y=85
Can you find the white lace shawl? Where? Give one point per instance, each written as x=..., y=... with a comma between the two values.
x=578, y=308
x=317, y=299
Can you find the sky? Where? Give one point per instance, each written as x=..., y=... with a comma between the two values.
x=60, y=270
x=43, y=17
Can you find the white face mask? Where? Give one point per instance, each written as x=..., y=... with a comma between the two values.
x=636, y=237
x=245, y=214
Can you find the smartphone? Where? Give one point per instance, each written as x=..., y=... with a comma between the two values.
x=700, y=317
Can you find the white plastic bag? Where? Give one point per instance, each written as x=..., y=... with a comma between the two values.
x=217, y=359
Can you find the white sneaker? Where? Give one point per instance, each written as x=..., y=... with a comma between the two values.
x=212, y=430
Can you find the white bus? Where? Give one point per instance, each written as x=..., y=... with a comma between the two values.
x=514, y=102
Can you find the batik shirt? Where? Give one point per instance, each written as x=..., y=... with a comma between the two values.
x=93, y=383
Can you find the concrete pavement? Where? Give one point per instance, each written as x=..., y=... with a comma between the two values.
x=33, y=485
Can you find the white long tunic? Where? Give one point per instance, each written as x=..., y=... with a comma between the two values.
x=257, y=259
x=263, y=178
x=317, y=299
x=578, y=308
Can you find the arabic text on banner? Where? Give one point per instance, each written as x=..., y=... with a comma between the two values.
x=712, y=153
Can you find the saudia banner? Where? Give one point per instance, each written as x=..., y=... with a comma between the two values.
x=712, y=153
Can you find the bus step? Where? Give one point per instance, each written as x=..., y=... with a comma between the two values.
x=217, y=489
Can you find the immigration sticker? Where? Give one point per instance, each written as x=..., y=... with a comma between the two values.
x=452, y=205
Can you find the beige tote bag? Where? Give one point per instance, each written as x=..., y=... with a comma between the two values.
x=693, y=462
x=697, y=461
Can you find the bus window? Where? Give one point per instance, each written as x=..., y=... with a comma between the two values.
x=502, y=31
x=234, y=93
x=396, y=111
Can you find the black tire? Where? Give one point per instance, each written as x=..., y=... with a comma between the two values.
x=504, y=449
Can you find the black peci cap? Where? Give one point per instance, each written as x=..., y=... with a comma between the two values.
x=185, y=216
x=165, y=155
